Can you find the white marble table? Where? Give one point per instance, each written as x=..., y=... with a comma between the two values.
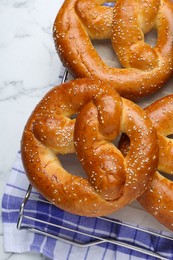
x=29, y=67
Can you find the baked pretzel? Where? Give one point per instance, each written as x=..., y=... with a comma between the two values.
x=158, y=198
x=112, y=181
x=145, y=68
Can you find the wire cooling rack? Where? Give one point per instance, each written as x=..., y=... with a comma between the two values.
x=24, y=217
x=96, y=240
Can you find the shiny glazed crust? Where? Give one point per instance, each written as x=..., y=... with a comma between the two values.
x=158, y=199
x=112, y=180
x=145, y=68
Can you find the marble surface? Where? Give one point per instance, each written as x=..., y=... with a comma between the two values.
x=29, y=67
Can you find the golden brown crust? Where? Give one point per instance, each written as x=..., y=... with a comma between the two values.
x=158, y=198
x=103, y=114
x=146, y=69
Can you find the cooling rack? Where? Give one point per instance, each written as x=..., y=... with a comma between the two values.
x=96, y=240
x=24, y=219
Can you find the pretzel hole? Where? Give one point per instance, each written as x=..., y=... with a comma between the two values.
x=109, y=3
x=73, y=116
x=117, y=139
x=106, y=52
x=151, y=37
x=167, y=175
x=170, y=136
x=71, y=164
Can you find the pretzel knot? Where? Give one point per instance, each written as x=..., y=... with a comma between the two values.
x=144, y=68
x=158, y=198
x=112, y=180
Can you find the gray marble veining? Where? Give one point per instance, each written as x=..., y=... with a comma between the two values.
x=29, y=67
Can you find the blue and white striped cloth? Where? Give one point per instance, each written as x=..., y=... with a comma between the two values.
x=25, y=241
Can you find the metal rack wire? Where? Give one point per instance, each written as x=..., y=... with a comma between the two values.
x=95, y=239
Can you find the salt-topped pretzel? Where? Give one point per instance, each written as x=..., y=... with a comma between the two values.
x=158, y=199
x=145, y=68
x=112, y=181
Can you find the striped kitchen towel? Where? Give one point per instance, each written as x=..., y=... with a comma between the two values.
x=68, y=239
x=54, y=219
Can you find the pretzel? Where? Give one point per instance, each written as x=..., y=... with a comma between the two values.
x=158, y=198
x=144, y=69
x=52, y=130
